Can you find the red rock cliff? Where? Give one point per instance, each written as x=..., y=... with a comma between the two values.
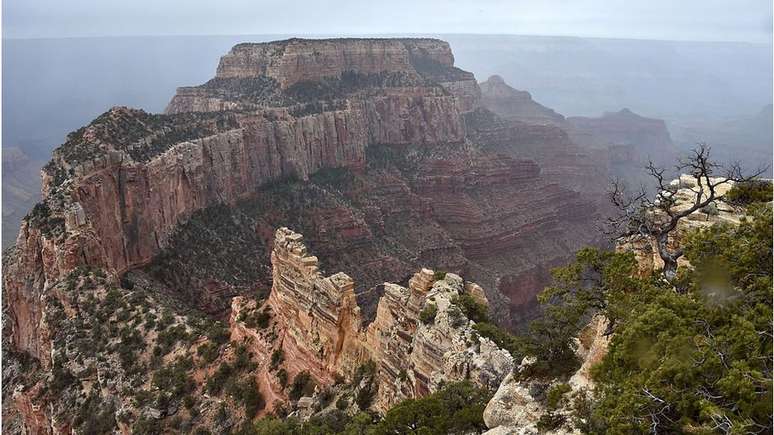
x=319, y=329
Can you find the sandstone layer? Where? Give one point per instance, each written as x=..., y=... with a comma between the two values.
x=374, y=148
x=317, y=326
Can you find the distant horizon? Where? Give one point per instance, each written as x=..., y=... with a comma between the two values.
x=667, y=20
x=383, y=35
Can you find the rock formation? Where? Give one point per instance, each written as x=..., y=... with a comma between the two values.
x=518, y=404
x=513, y=104
x=378, y=150
x=646, y=250
x=318, y=328
x=584, y=151
x=629, y=140
x=540, y=134
x=319, y=317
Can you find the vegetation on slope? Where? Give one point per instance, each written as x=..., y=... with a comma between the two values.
x=457, y=408
x=121, y=128
x=749, y=192
x=694, y=355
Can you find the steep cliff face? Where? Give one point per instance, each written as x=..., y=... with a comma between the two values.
x=541, y=134
x=303, y=73
x=365, y=145
x=297, y=60
x=319, y=317
x=514, y=104
x=418, y=356
x=631, y=141
x=584, y=152
x=115, y=191
x=489, y=217
x=318, y=328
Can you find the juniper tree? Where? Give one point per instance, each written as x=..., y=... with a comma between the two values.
x=654, y=217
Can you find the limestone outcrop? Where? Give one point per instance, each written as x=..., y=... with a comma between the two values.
x=319, y=316
x=296, y=60
x=685, y=191
x=519, y=403
x=319, y=329
x=417, y=357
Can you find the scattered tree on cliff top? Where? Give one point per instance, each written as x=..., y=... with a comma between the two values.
x=643, y=216
x=697, y=361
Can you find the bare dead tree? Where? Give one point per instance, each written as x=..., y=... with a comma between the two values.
x=655, y=217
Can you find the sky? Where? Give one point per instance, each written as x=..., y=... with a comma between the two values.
x=703, y=20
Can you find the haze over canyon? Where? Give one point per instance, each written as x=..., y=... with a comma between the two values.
x=333, y=229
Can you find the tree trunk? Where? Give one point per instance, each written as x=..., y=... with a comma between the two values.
x=670, y=268
x=670, y=260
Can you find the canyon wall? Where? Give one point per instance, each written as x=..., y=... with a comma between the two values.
x=117, y=188
x=584, y=151
x=320, y=331
x=394, y=113
x=297, y=60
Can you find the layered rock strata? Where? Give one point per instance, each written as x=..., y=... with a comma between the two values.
x=391, y=112
x=319, y=330
x=514, y=104
x=585, y=151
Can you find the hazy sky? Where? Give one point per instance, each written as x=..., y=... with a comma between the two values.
x=717, y=20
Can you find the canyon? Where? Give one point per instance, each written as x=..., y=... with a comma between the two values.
x=385, y=156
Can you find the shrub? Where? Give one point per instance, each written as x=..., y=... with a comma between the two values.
x=282, y=377
x=209, y=351
x=501, y=338
x=555, y=395
x=367, y=390
x=258, y=320
x=363, y=371
x=749, y=192
x=457, y=408
x=428, y=313
x=456, y=318
x=303, y=385
x=243, y=359
x=96, y=417
x=550, y=421
x=702, y=333
x=472, y=309
x=325, y=397
x=248, y=395
x=215, y=383
x=276, y=358
x=63, y=378
x=439, y=275
x=217, y=333
x=146, y=426
x=174, y=379
x=168, y=338
x=365, y=396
